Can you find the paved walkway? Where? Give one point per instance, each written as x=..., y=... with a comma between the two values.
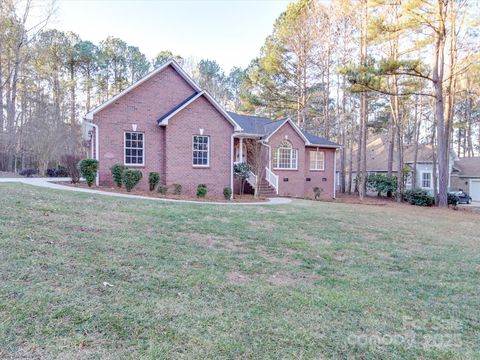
x=47, y=183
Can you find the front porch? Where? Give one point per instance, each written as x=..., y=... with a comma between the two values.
x=257, y=155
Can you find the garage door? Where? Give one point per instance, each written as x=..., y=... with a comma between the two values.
x=475, y=189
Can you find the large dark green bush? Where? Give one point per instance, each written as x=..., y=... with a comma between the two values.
x=382, y=184
x=418, y=197
x=117, y=171
x=227, y=192
x=130, y=178
x=177, y=189
x=452, y=199
x=201, y=191
x=153, y=180
x=88, y=168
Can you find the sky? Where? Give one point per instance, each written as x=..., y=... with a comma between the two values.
x=228, y=31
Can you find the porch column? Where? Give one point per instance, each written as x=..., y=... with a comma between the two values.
x=241, y=149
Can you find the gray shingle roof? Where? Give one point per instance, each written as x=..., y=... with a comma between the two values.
x=251, y=124
x=264, y=126
x=468, y=167
x=317, y=140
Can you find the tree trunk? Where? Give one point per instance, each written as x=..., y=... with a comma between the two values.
x=442, y=136
x=363, y=106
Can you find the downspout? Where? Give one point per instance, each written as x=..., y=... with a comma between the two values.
x=231, y=163
x=334, y=173
x=97, y=157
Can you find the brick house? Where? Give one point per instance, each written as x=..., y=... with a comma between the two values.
x=167, y=124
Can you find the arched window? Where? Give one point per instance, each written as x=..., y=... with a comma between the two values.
x=285, y=156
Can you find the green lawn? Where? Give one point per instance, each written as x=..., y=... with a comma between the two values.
x=304, y=280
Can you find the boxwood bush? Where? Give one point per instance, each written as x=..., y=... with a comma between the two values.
x=162, y=189
x=153, y=180
x=227, y=192
x=201, y=191
x=88, y=168
x=130, y=178
x=117, y=171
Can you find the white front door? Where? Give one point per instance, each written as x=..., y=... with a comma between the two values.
x=475, y=189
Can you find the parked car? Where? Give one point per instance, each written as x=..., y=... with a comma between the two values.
x=463, y=197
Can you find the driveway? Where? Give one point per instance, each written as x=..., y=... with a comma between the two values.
x=48, y=183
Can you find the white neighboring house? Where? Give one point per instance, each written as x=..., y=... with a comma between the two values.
x=377, y=163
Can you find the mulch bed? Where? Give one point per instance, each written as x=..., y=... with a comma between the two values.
x=246, y=198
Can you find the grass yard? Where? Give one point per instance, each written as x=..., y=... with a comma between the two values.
x=305, y=280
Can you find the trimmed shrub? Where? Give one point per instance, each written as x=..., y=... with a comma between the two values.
x=117, y=171
x=201, y=191
x=153, y=180
x=452, y=199
x=28, y=172
x=418, y=197
x=71, y=162
x=227, y=192
x=59, y=171
x=88, y=168
x=177, y=189
x=162, y=189
x=130, y=178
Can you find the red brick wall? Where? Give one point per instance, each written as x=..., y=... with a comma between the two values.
x=179, y=169
x=295, y=184
x=142, y=106
x=317, y=177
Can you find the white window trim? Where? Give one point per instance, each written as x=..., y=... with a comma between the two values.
x=317, y=153
x=431, y=179
x=125, y=148
x=208, y=151
x=281, y=168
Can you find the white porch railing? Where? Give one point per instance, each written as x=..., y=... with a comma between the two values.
x=271, y=178
x=252, y=179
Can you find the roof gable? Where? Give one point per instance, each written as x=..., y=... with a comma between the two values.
x=172, y=63
x=163, y=120
x=468, y=167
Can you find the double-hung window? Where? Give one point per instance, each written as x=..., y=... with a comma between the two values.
x=317, y=160
x=201, y=150
x=427, y=180
x=134, y=148
x=285, y=156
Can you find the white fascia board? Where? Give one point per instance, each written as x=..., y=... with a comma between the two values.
x=212, y=101
x=324, y=146
x=295, y=127
x=180, y=71
x=222, y=111
x=165, y=120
